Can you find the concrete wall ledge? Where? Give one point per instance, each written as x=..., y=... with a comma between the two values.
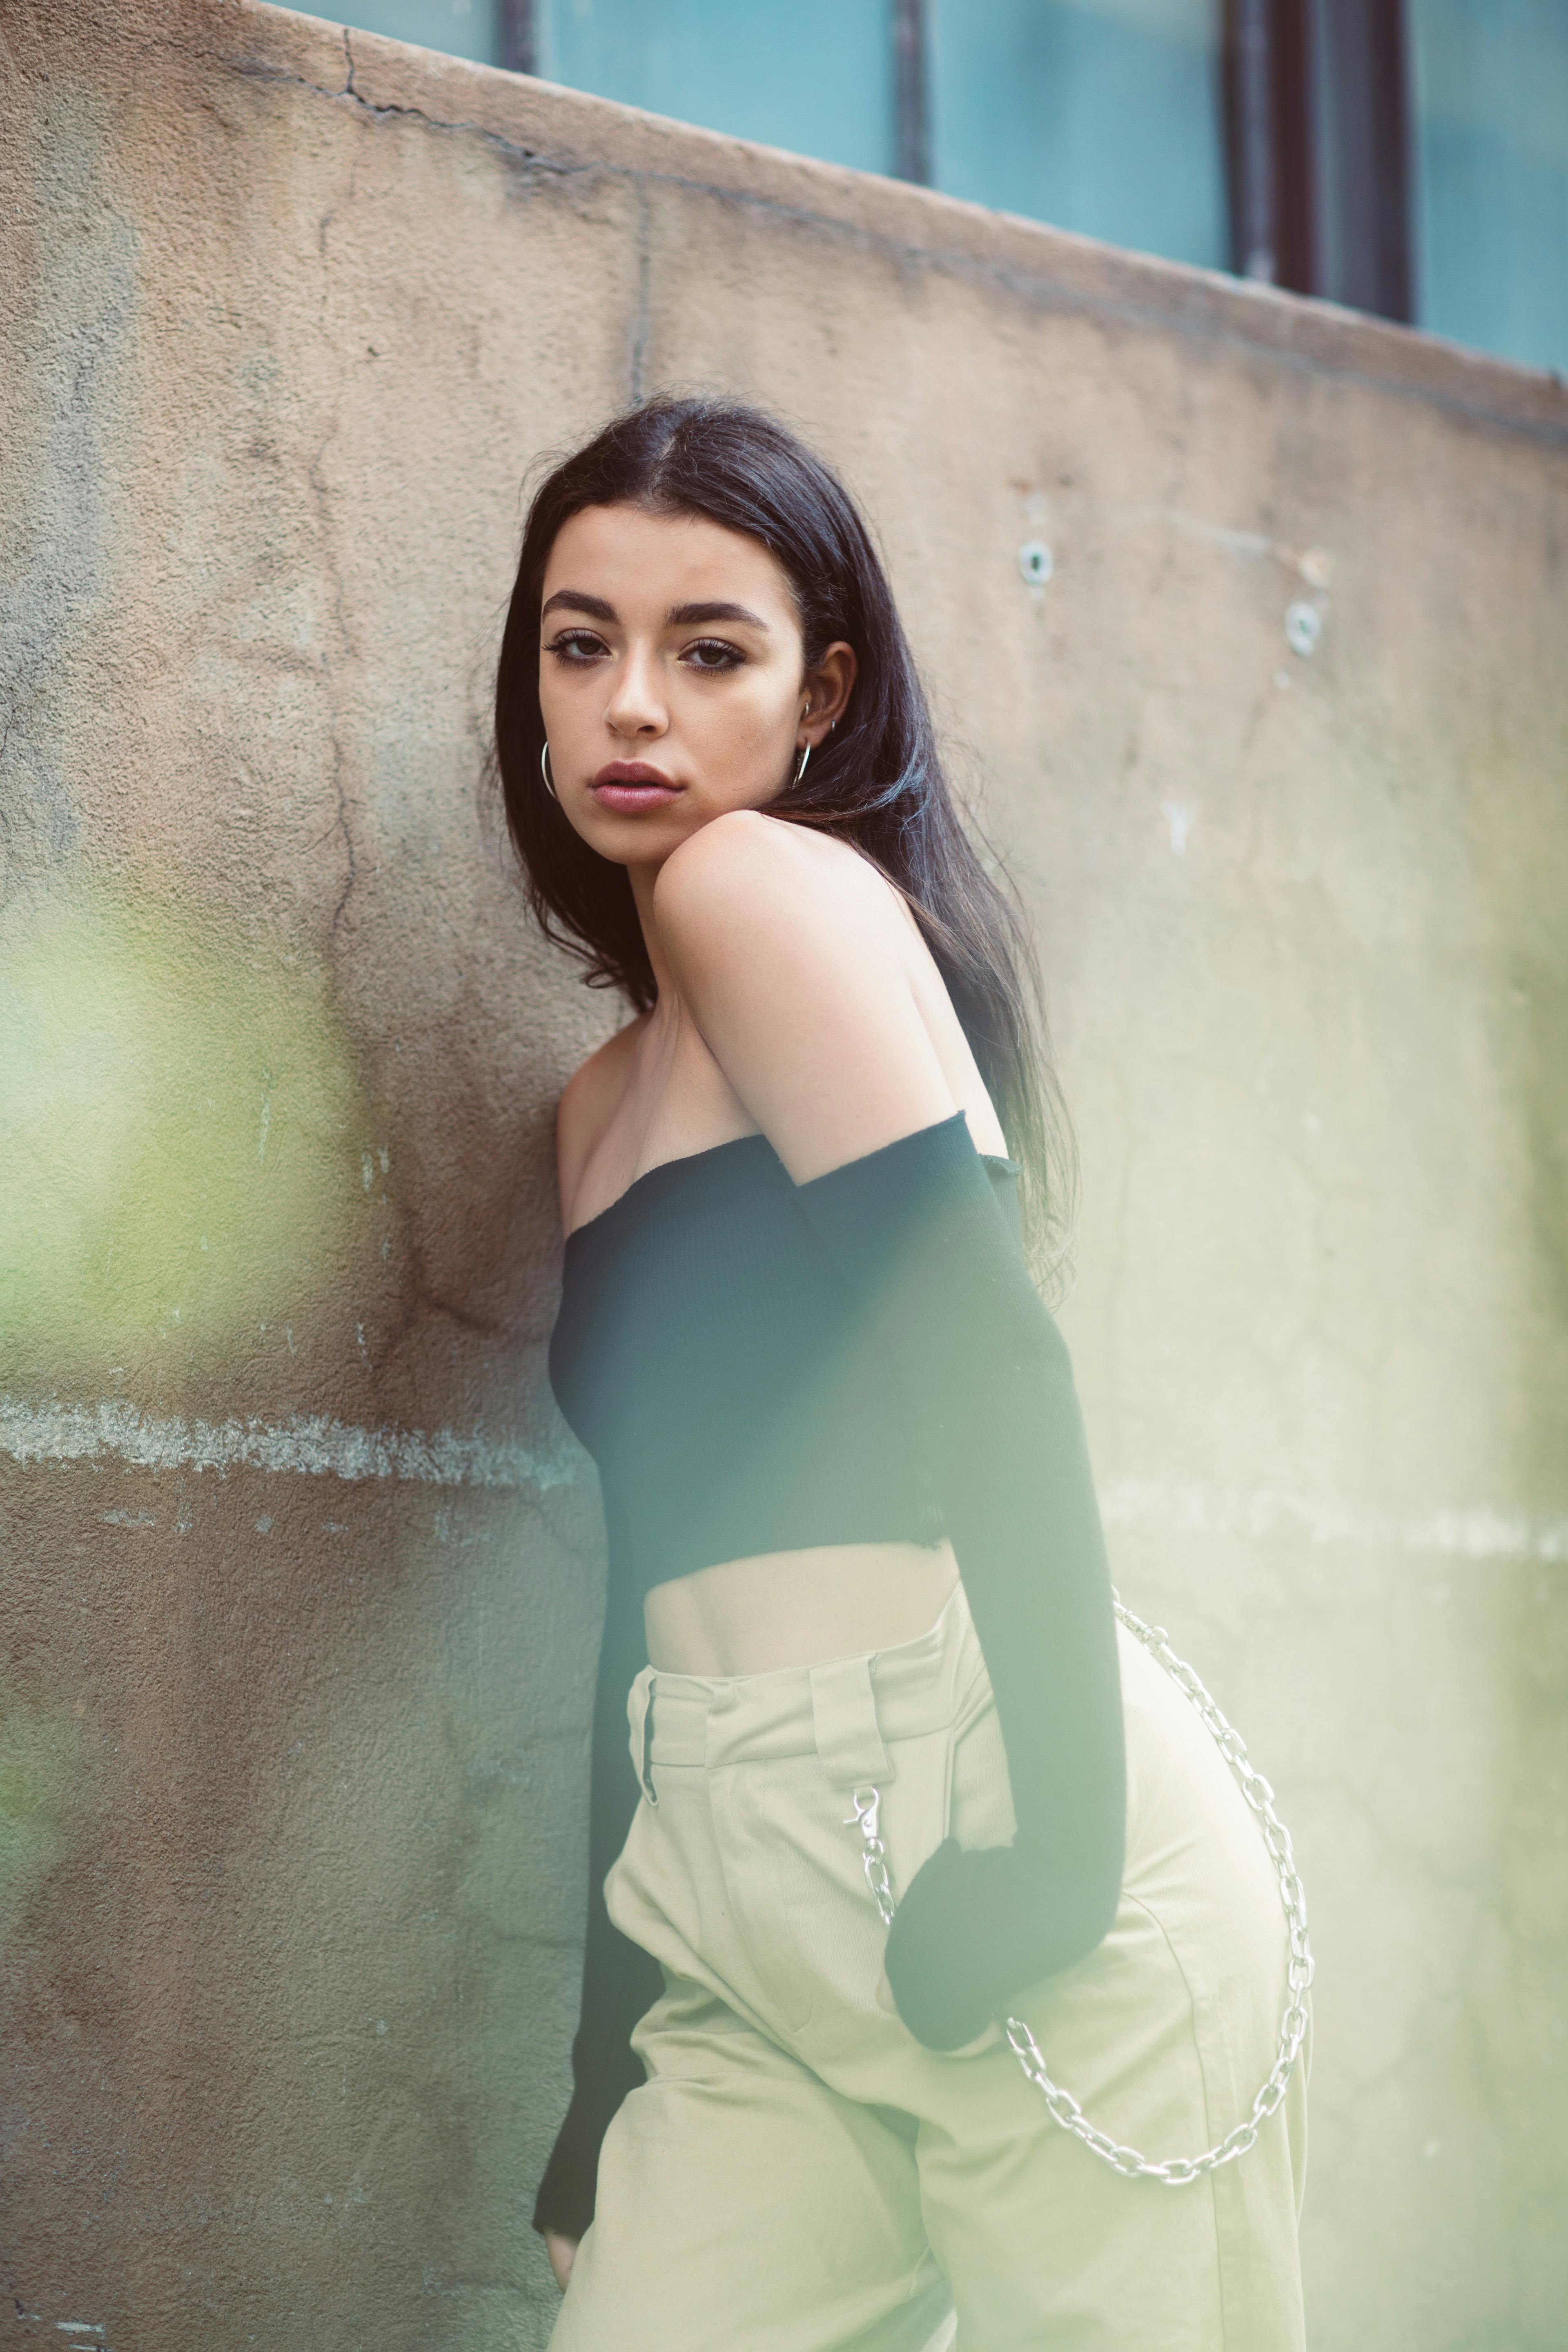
x=545, y=128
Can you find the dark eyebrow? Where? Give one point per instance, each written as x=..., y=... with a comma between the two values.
x=685, y=616
x=577, y=600
x=681, y=616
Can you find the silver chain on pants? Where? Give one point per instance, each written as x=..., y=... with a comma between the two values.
x=1176, y=2171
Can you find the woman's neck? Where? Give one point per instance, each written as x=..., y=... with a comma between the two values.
x=642, y=879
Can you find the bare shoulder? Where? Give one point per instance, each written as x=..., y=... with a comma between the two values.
x=752, y=882
x=798, y=964
x=589, y=1100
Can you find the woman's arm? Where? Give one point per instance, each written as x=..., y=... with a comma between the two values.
x=620, y=1981
x=802, y=986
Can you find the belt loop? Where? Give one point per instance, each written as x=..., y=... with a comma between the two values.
x=844, y=1717
x=649, y=1792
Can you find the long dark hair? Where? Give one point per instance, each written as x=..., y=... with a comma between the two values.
x=877, y=782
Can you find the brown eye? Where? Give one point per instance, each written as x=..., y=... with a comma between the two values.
x=576, y=645
x=713, y=654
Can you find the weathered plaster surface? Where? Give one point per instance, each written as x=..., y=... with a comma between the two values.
x=301, y=1569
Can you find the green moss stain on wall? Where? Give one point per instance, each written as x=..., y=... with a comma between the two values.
x=180, y=1133
x=40, y=1777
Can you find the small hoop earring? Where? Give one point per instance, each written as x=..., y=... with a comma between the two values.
x=545, y=772
x=800, y=765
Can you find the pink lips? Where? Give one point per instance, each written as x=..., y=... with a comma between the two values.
x=630, y=787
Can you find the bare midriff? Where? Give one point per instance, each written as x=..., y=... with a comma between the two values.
x=797, y=1608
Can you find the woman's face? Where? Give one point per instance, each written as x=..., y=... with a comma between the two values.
x=671, y=678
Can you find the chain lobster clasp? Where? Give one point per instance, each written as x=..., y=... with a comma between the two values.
x=866, y=1817
x=868, y=1804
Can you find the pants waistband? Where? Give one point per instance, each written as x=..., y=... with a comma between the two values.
x=846, y=1709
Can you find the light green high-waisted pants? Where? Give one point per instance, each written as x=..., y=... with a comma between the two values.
x=799, y=2175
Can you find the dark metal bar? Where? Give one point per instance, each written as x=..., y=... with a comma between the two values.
x=1396, y=289
x=1318, y=144
x=1250, y=124
x=1296, y=148
x=519, y=46
x=1361, y=144
x=1271, y=150
x=911, y=93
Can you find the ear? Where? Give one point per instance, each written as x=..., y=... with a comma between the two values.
x=828, y=688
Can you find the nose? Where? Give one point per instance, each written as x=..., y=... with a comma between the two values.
x=635, y=709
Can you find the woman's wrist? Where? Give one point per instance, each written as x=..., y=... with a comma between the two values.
x=977, y=1926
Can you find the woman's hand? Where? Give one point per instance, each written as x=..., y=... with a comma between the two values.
x=562, y=2253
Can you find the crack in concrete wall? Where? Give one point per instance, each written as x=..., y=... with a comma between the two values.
x=301, y=1573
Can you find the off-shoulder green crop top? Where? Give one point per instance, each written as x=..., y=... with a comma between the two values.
x=758, y=1366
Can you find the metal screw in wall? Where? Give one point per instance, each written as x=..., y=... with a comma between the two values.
x=1303, y=629
x=1034, y=563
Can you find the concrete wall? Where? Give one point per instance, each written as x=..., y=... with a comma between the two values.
x=301, y=1571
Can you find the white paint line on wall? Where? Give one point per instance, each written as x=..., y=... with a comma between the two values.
x=312, y=1446
x=1438, y=1530
x=305, y=1445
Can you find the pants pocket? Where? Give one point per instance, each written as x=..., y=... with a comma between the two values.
x=981, y=1807
x=917, y=1805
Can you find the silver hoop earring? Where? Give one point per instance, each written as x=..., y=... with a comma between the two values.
x=800, y=765
x=545, y=772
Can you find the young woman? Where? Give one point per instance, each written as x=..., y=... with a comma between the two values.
x=858, y=1592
